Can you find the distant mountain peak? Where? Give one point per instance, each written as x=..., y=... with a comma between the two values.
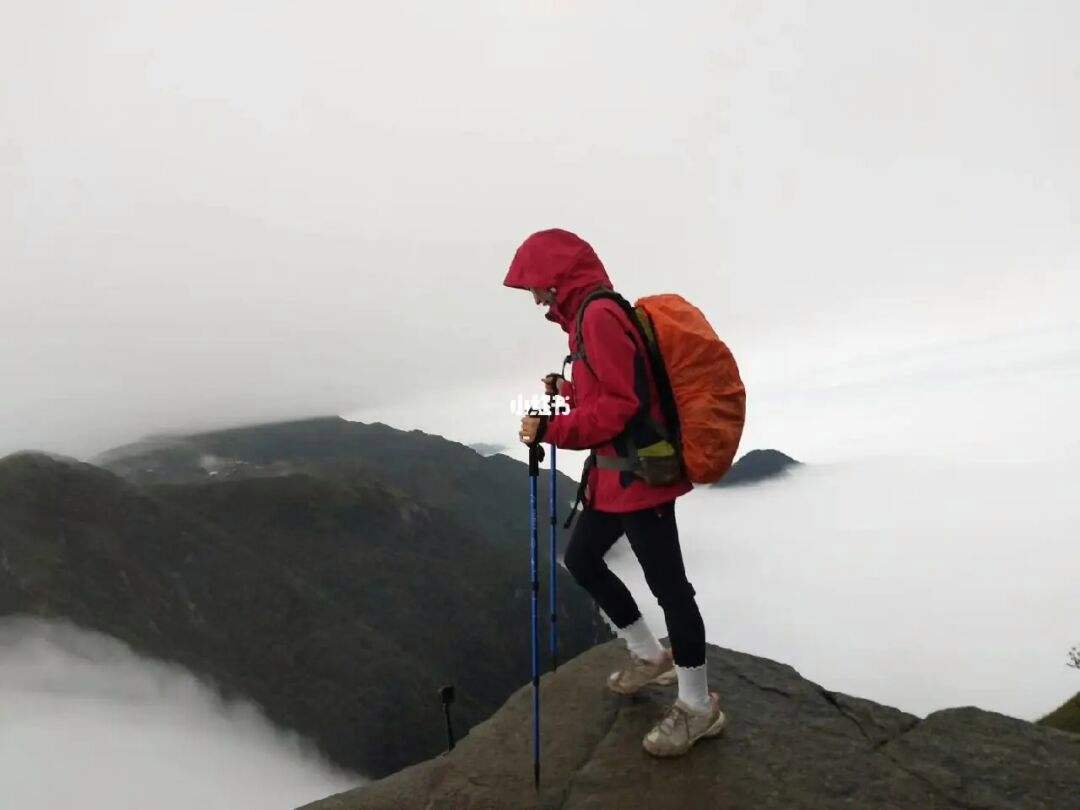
x=757, y=465
x=39, y=455
x=487, y=449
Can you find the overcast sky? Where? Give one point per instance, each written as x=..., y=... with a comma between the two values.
x=213, y=214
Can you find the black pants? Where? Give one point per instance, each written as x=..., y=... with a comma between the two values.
x=654, y=537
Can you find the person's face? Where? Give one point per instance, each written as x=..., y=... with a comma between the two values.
x=542, y=296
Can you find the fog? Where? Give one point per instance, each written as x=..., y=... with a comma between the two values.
x=920, y=584
x=84, y=722
x=213, y=215
x=1009, y=397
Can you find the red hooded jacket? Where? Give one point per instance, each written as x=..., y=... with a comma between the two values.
x=601, y=404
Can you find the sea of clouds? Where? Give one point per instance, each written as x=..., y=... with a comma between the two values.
x=917, y=583
x=85, y=722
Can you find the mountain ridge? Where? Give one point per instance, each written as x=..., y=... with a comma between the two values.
x=438, y=471
x=331, y=600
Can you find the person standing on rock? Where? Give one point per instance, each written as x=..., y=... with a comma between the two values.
x=612, y=389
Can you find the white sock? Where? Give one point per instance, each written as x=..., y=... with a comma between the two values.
x=694, y=688
x=641, y=641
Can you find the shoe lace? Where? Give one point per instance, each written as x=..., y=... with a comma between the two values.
x=637, y=661
x=674, y=715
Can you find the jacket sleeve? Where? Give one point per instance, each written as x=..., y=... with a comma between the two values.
x=603, y=416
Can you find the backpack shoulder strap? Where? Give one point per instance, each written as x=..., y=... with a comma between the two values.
x=580, y=353
x=596, y=295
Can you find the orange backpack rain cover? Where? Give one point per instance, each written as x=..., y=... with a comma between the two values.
x=709, y=394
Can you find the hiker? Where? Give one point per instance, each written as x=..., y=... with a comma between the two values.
x=608, y=388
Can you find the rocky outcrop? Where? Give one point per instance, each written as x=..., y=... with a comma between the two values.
x=789, y=744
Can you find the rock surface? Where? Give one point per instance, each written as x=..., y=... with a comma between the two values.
x=789, y=743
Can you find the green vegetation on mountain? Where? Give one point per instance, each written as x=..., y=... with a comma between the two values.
x=1066, y=716
x=318, y=580
x=486, y=492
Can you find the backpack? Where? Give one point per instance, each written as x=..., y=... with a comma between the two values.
x=701, y=394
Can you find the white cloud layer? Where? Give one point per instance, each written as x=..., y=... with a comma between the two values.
x=84, y=722
x=921, y=584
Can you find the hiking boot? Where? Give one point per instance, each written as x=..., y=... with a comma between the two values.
x=682, y=727
x=641, y=673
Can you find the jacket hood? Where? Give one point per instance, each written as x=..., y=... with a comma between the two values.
x=559, y=259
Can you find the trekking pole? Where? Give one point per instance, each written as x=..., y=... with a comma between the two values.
x=535, y=454
x=554, y=640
